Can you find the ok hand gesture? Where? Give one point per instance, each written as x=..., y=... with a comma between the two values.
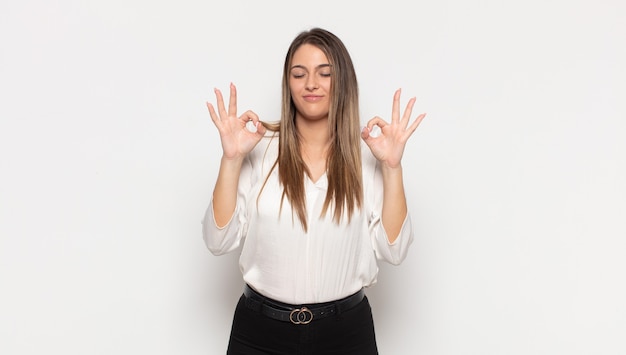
x=237, y=139
x=388, y=147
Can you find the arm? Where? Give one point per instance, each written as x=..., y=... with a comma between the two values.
x=225, y=191
x=388, y=148
x=394, y=201
x=237, y=141
x=224, y=233
x=393, y=252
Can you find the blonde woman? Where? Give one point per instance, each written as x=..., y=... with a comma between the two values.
x=314, y=201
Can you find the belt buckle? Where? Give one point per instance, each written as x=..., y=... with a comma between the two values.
x=301, y=316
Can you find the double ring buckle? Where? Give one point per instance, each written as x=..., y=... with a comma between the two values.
x=301, y=316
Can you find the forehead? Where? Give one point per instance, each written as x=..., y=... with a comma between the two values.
x=308, y=55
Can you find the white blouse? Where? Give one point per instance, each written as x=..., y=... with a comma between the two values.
x=282, y=261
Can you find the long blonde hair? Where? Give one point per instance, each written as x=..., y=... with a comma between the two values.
x=343, y=165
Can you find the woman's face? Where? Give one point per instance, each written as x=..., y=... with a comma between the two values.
x=310, y=83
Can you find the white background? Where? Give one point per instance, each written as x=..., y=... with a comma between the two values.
x=516, y=179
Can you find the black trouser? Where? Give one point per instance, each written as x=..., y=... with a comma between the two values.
x=350, y=332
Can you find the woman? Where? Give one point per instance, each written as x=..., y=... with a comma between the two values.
x=312, y=207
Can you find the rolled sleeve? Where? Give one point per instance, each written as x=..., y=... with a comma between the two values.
x=222, y=240
x=393, y=253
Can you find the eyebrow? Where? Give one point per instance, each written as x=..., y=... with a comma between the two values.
x=303, y=67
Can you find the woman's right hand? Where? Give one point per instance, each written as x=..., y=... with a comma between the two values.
x=237, y=139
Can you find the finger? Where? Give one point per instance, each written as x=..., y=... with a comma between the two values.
x=220, y=103
x=213, y=114
x=376, y=121
x=232, y=101
x=367, y=137
x=365, y=133
x=416, y=123
x=249, y=116
x=407, y=111
x=260, y=129
x=395, y=109
x=251, y=119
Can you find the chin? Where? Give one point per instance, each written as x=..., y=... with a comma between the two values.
x=314, y=116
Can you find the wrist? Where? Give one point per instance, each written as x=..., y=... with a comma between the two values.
x=236, y=161
x=391, y=168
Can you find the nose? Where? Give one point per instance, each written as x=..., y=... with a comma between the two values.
x=311, y=82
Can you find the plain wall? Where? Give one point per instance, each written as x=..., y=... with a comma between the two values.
x=515, y=180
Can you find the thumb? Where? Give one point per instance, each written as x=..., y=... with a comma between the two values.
x=260, y=128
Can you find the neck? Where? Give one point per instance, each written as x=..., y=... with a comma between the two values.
x=313, y=135
x=314, y=144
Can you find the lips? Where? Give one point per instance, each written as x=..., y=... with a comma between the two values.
x=312, y=98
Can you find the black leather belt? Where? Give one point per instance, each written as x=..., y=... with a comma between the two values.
x=303, y=314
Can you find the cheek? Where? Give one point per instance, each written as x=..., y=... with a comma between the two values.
x=327, y=85
x=294, y=100
x=294, y=85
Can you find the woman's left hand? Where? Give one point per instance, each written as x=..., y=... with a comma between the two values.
x=388, y=147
